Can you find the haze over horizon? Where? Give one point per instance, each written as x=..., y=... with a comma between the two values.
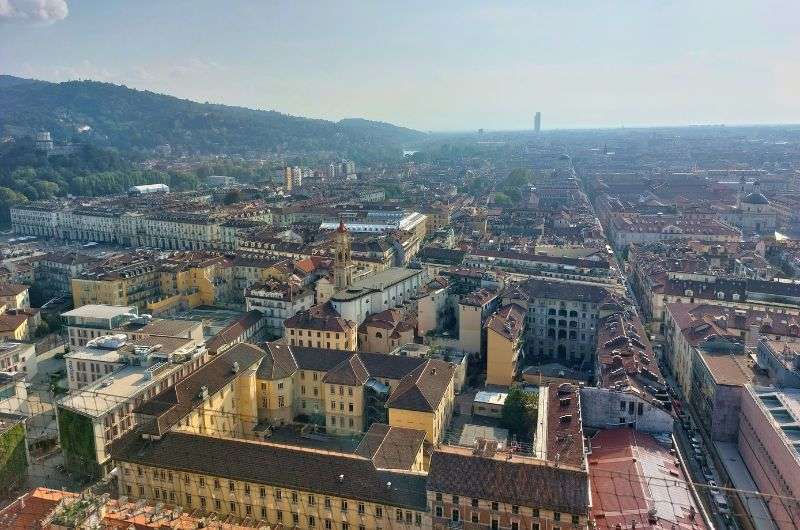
x=451, y=66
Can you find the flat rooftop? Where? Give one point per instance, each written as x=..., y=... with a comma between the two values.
x=99, y=311
x=492, y=398
x=118, y=387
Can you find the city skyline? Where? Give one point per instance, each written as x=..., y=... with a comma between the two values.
x=450, y=67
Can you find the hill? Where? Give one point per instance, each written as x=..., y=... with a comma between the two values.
x=128, y=119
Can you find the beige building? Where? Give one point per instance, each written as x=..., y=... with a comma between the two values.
x=320, y=327
x=504, y=338
x=385, y=331
x=473, y=310
x=14, y=296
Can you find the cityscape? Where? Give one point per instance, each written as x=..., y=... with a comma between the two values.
x=220, y=316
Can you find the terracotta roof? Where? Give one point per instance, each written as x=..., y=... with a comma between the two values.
x=349, y=372
x=508, y=321
x=12, y=289
x=321, y=317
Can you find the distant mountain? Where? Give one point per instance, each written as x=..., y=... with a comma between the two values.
x=128, y=119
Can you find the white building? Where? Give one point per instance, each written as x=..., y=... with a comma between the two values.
x=390, y=288
x=96, y=320
x=18, y=357
x=276, y=302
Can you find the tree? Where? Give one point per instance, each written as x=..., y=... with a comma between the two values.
x=232, y=197
x=501, y=199
x=519, y=412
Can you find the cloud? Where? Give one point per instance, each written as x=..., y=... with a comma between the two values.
x=33, y=11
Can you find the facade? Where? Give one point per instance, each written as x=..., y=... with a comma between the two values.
x=14, y=296
x=432, y=304
x=90, y=321
x=321, y=327
x=562, y=318
x=767, y=440
x=277, y=301
x=504, y=337
x=18, y=357
x=627, y=228
x=473, y=310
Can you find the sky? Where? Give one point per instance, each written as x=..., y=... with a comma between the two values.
x=442, y=65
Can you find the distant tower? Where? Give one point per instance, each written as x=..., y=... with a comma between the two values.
x=537, y=122
x=343, y=261
x=287, y=179
x=44, y=142
x=331, y=171
x=297, y=176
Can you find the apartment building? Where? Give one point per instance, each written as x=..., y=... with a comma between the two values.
x=54, y=271
x=91, y=418
x=14, y=296
x=474, y=309
x=321, y=326
x=90, y=321
x=277, y=301
x=18, y=357
x=562, y=318
x=385, y=331
x=504, y=345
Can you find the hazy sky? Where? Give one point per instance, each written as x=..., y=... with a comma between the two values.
x=431, y=65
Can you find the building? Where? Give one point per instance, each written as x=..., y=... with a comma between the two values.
x=537, y=122
x=504, y=345
x=768, y=444
x=343, y=267
x=630, y=389
x=385, y=331
x=433, y=305
x=14, y=296
x=19, y=324
x=592, y=270
x=90, y=321
x=654, y=492
x=18, y=357
x=91, y=418
x=391, y=288
x=277, y=301
x=626, y=228
x=321, y=326
x=349, y=391
x=221, y=181
x=53, y=272
x=474, y=309
x=561, y=318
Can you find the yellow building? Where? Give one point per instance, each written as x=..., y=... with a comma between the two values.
x=320, y=327
x=424, y=400
x=14, y=296
x=504, y=331
x=385, y=331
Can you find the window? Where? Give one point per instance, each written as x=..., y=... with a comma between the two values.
x=455, y=499
x=328, y=502
x=536, y=512
x=515, y=509
x=514, y=525
x=344, y=505
x=202, y=502
x=438, y=511
x=495, y=506
x=278, y=494
x=361, y=509
x=232, y=506
x=247, y=489
x=188, y=499
x=556, y=516
x=535, y=526
x=455, y=516
x=398, y=516
x=475, y=503
x=345, y=526
x=295, y=518
x=329, y=525
x=294, y=497
x=217, y=504
x=474, y=517
x=379, y=512
x=311, y=521
x=495, y=524
x=248, y=509
x=575, y=519
x=262, y=492
x=439, y=497
x=312, y=500
x=263, y=513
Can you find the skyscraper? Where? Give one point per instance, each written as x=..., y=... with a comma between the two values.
x=287, y=179
x=537, y=122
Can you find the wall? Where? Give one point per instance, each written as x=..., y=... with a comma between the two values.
x=601, y=409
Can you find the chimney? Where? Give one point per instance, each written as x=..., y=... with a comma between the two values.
x=236, y=367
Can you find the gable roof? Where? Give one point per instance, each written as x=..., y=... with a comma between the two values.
x=422, y=389
x=349, y=372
